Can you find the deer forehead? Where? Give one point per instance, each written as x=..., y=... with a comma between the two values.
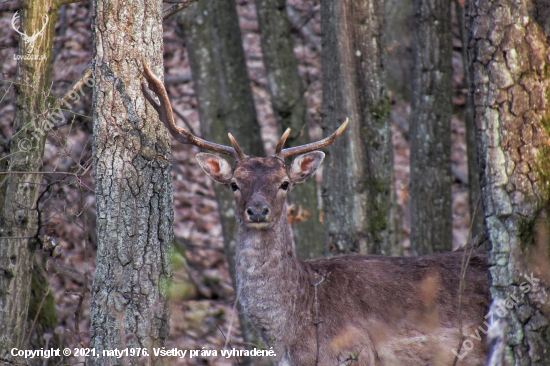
x=264, y=171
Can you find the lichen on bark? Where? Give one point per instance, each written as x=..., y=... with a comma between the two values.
x=508, y=67
x=358, y=215
x=18, y=224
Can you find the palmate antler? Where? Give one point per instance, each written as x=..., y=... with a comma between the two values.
x=166, y=115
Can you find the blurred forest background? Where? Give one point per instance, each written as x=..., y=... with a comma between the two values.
x=201, y=298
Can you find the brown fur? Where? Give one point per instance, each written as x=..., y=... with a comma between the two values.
x=354, y=309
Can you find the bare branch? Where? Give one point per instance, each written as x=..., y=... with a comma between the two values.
x=177, y=79
x=182, y=117
x=171, y=10
x=461, y=286
x=75, y=87
x=67, y=2
x=57, y=266
x=306, y=32
x=77, y=176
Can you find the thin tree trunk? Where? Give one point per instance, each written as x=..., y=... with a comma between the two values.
x=358, y=189
x=214, y=45
x=132, y=166
x=289, y=108
x=398, y=38
x=18, y=221
x=430, y=129
x=508, y=57
x=476, y=210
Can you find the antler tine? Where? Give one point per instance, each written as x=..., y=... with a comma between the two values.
x=314, y=145
x=45, y=22
x=166, y=115
x=236, y=146
x=16, y=16
x=282, y=142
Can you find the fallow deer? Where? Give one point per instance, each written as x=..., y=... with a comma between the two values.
x=352, y=309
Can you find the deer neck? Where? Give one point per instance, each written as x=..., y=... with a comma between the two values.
x=271, y=281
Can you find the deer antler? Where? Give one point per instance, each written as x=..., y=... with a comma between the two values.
x=166, y=115
x=24, y=34
x=15, y=17
x=46, y=18
x=308, y=147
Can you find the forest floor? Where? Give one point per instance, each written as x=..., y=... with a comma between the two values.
x=201, y=295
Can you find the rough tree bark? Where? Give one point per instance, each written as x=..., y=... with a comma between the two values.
x=398, y=38
x=18, y=209
x=132, y=166
x=216, y=55
x=508, y=58
x=430, y=129
x=474, y=193
x=358, y=189
x=289, y=107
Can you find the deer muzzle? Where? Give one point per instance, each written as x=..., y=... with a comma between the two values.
x=258, y=212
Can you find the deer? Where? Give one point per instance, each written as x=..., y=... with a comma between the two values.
x=343, y=310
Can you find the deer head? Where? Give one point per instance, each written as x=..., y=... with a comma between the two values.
x=260, y=185
x=28, y=40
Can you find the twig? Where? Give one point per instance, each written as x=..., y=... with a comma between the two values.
x=16, y=237
x=67, y=2
x=464, y=266
x=75, y=87
x=36, y=317
x=190, y=129
x=316, y=319
x=171, y=10
x=20, y=172
x=204, y=293
x=71, y=272
x=177, y=79
x=232, y=317
x=301, y=26
x=226, y=341
x=77, y=176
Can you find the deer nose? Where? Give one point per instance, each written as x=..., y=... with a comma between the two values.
x=258, y=211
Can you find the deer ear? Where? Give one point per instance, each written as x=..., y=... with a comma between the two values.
x=217, y=168
x=304, y=166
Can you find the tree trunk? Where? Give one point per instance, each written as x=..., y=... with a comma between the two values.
x=132, y=166
x=358, y=189
x=398, y=38
x=18, y=221
x=430, y=129
x=477, y=217
x=508, y=59
x=214, y=45
x=289, y=107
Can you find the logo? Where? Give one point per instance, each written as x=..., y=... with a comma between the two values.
x=28, y=40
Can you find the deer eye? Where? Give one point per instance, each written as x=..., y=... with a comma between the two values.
x=234, y=186
x=285, y=186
